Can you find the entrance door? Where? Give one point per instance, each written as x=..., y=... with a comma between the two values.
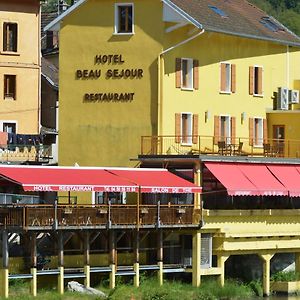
x=279, y=138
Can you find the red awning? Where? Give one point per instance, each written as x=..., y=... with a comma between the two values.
x=233, y=179
x=157, y=181
x=288, y=176
x=266, y=183
x=79, y=179
x=34, y=178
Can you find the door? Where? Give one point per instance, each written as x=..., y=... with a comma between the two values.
x=279, y=139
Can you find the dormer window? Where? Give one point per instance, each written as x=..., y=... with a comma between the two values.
x=271, y=24
x=124, y=18
x=218, y=11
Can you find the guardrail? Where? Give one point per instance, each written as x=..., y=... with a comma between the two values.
x=102, y=216
x=218, y=145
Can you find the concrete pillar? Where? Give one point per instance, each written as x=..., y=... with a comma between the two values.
x=297, y=262
x=60, y=263
x=136, y=279
x=196, y=259
x=61, y=282
x=160, y=254
x=136, y=265
x=112, y=277
x=221, y=264
x=113, y=259
x=87, y=280
x=33, y=283
x=266, y=258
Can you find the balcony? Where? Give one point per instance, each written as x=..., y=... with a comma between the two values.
x=21, y=153
x=72, y=217
x=212, y=145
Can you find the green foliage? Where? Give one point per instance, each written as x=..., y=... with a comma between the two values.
x=286, y=276
x=285, y=11
x=256, y=286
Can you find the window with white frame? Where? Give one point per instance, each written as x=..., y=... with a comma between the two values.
x=226, y=77
x=225, y=129
x=114, y=198
x=10, y=87
x=9, y=127
x=258, y=132
x=124, y=18
x=186, y=128
x=187, y=73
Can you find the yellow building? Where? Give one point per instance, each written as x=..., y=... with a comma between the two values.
x=20, y=66
x=179, y=84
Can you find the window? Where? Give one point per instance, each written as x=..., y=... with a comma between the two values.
x=256, y=81
x=10, y=37
x=124, y=18
x=218, y=11
x=10, y=87
x=114, y=198
x=271, y=24
x=187, y=73
x=224, y=129
x=228, y=78
x=258, y=132
x=186, y=128
x=9, y=127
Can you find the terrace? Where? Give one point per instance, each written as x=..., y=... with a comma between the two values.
x=224, y=146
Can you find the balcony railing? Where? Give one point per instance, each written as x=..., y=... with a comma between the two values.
x=12, y=153
x=213, y=145
x=98, y=216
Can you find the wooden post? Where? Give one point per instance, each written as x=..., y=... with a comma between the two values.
x=221, y=264
x=266, y=258
x=87, y=281
x=136, y=265
x=33, y=270
x=197, y=181
x=112, y=254
x=160, y=251
x=60, y=263
x=196, y=259
x=4, y=287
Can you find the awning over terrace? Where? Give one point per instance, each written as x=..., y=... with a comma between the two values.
x=254, y=179
x=79, y=179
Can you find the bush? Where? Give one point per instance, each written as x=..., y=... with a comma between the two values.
x=286, y=276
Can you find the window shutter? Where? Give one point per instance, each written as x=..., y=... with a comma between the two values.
x=5, y=35
x=251, y=131
x=233, y=130
x=223, y=77
x=196, y=74
x=233, y=78
x=251, y=80
x=217, y=130
x=265, y=131
x=259, y=83
x=178, y=72
x=195, y=129
x=177, y=128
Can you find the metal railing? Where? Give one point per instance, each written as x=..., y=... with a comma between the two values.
x=90, y=216
x=214, y=145
x=14, y=152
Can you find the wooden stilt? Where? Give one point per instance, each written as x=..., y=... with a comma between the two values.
x=87, y=281
x=60, y=263
x=160, y=256
x=33, y=270
x=4, y=287
x=112, y=254
x=136, y=254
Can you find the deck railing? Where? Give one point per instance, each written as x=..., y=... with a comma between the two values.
x=214, y=145
x=91, y=216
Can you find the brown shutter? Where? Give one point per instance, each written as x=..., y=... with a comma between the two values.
x=217, y=130
x=196, y=74
x=233, y=78
x=5, y=37
x=223, y=77
x=259, y=83
x=178, y=72
x=177, y=128
x=265, y=131
x=233, y=130
x=251, y=80
x=251, y=131
x=195, y=129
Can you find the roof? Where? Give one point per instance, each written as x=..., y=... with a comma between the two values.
x=241, y=19
x=50, y=72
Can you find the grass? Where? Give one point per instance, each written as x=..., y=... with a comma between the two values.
x=148, y=290
x=286, y=276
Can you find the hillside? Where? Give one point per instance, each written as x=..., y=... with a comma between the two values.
x=286, y=11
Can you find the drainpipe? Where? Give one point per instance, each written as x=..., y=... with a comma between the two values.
x=160, y=77
x=288, y=66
